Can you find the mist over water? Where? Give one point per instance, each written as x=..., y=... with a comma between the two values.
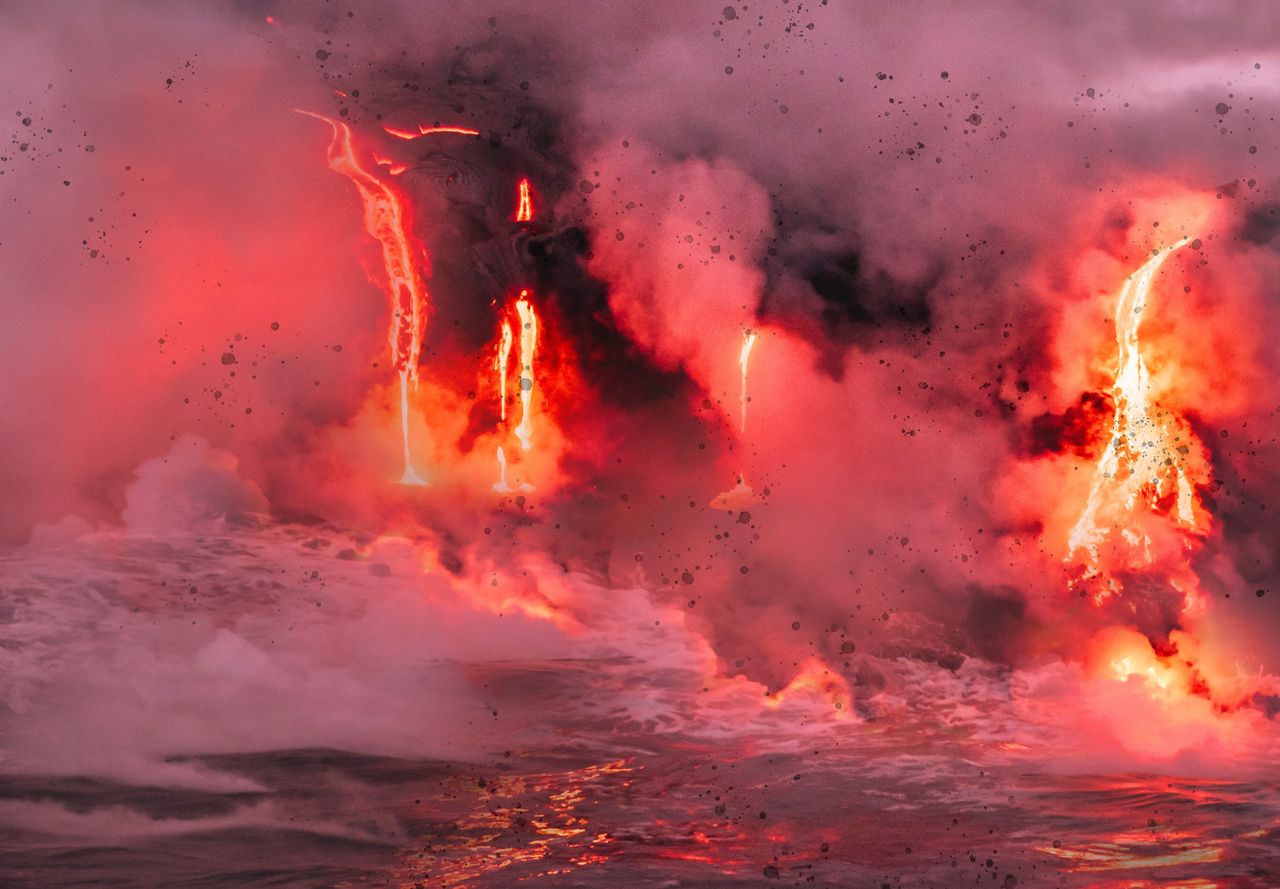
x=844, y=641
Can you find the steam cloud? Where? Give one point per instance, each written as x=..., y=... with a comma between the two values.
x=924, y=229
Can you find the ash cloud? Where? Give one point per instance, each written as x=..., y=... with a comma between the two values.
x=923, y=227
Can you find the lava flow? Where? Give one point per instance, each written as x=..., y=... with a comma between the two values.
x=500, y=361
x=1153, y=464
x=387, y=220
x=502, y=486
x=740, y=493
x=524, y=205
x=527, y=319
x=429, y=131
x=528, y=346
x=744, y=357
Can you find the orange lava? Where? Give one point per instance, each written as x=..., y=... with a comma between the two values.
x=430, y=131
x=1153, y=464
x=524, y=206
x=528, y=348
x=386, y=219
x=816, y=679
x=500, y=361
x=740, y=495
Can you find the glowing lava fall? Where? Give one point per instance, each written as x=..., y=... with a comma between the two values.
x=386, y=219
x=526, y=321
x=740, y=494
x=528, y=348
x=1153, y=463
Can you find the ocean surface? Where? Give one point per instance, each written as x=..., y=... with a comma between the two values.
x=294, y=709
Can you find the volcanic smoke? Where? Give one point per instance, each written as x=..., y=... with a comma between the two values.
x=998, y=606
x=744, y=357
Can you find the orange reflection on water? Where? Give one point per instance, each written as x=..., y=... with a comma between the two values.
x=1134, y=850
x=1192, y=883
x=511, y=820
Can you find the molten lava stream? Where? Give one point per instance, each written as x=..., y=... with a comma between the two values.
x=744, y=357
x=524, y=203
x=741, y=493
x=500, y=362
x=1153, y=459
x=410, y=476
x=430, y=131
x=528, y=320
x=528, y=348
x=386, y=220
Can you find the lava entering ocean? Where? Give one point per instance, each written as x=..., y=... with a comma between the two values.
x=620, y=489
x=740, y=495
